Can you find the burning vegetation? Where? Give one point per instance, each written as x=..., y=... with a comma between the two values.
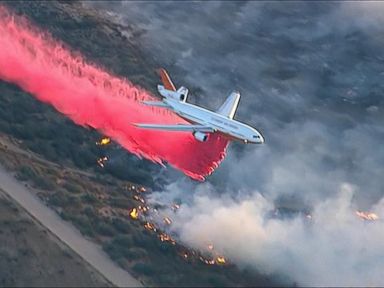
x=134, y=214
x=142, y=213
x=369, y=216
x=166, y=238
x=150, y=227
x=101, y=161
x=167, y=220
x=103, y=141
x=175, y=207
x=138, y=198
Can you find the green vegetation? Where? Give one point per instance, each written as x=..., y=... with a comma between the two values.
x=50, y=134
x=25, y=173
x=37, y=178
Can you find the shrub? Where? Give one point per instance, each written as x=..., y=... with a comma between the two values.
x=43, y=183
x=89, y=198
x=137, y=253
x=85, y=226
x=105, y=229
x=58, y=199
x=73, y=187
x=25, y=173
x=121, y=225
x=143, y=268
x=119, y=202
x=123, y=240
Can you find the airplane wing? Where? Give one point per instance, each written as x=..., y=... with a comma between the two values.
x=177, y=127
x=166, y=80
x=155, y=103
x=229, y=107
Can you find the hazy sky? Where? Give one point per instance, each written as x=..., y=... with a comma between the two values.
x=311, y=78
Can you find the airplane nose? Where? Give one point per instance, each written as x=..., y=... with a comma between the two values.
x=256, y=138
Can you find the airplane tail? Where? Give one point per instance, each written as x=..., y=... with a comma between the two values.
x=167, y=82
x=168, y=89
x=229, y=107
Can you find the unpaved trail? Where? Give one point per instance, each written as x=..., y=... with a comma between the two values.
x=89, y=251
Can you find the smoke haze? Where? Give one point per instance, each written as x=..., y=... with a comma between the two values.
x=311, y=79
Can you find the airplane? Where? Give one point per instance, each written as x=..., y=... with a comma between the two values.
x=203, y=122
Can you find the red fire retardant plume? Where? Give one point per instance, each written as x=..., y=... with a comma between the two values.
x=91, y=97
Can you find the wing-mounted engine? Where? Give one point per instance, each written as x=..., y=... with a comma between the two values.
x=200, y=136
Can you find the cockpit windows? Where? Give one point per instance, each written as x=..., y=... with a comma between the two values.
x=256, y=136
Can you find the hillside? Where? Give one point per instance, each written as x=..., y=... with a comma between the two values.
x=58, y=159
x=32, y=256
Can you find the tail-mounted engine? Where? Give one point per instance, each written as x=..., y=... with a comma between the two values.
x=181, y=94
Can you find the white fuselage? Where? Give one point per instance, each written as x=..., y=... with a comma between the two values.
x=231, y=128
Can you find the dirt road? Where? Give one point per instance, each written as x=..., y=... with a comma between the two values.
x=67, y=233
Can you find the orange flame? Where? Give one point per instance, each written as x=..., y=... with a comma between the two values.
x=104, y=141
x=101, y=161
x=175, y=207
x=220, y=260
x=166, y=238
x=150, y=226
x=167, y=221
x=367, y=215
x=134, y=214
x=143, y=208
x=138, y=198
x=206, y=261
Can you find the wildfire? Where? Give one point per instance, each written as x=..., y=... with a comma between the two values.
x=138, y=198
x=134, y=214
x=150, y=226
x=207, y=261
x=143, y=208
x=367, y=215
x=104, y=141
x=167, y=221
x=166, y=238
x=209, y=257
x=101, y=161
x=175, y=207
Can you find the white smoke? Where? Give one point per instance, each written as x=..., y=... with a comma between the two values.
x=332, y=247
